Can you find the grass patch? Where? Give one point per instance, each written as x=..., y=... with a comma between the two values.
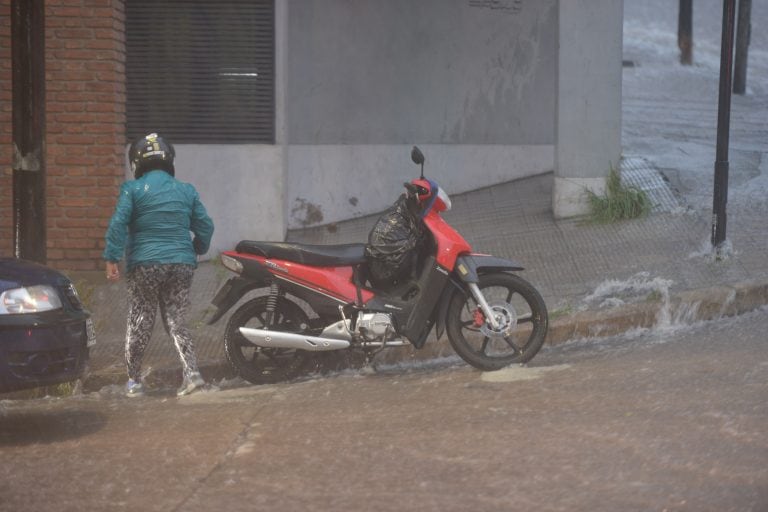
x=561, y=312
x=85, y=291
x=654, y=296
x=221, y=270
x=619, y=202
x=55, y=390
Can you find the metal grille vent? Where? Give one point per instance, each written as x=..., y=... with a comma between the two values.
x=201, y=72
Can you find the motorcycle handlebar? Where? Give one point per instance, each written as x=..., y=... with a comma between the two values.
x=415, y=189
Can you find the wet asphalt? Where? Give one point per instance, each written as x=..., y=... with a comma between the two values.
x=661, y=420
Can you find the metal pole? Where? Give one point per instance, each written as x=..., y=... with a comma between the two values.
x=28, y=76
x=720, y=196
x=743, y=34
x=685, y=31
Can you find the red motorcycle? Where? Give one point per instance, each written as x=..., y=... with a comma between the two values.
x=319, y=298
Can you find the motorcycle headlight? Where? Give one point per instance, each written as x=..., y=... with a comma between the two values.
x=443, y=196
x=30, y=299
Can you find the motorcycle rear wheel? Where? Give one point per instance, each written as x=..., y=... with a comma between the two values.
x=522, y=315
x=260, y=365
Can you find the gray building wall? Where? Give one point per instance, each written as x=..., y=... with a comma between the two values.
x=487, y=89
x=241, y=187
x=428, y=71
x=471, y=82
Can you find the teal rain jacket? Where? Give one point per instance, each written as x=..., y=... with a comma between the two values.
x=152, y=222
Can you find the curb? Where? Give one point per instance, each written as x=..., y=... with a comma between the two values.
x=683, y=308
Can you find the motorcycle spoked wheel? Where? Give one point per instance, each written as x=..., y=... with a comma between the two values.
x=260, y=365
x=518, y=307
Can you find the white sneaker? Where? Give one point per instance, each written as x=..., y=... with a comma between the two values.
x=194, y=383
x=134, y=388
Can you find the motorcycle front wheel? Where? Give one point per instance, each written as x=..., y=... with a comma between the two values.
x=521, y=316
x=260, y=365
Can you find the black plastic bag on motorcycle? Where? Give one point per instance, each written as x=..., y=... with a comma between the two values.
x=393, y=245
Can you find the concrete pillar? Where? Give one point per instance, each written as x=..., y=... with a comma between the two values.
x=588, y=113
x=279, y=201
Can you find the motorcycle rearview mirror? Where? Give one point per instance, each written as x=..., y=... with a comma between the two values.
x=418, y=158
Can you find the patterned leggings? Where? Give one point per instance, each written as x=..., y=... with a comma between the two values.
x=151, y=286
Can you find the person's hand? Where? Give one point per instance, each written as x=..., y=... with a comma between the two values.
x=197, y=244
x=113, y=272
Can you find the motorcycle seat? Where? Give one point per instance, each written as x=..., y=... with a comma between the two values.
x=306, y=254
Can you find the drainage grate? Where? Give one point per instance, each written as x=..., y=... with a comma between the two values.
x=638, y=172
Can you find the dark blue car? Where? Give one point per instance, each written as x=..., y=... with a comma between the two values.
x=45, y=332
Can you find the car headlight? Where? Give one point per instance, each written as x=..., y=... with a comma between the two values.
x=31, y=299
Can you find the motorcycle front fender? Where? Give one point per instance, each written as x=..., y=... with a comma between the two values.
x=232, y=291
x=469, y=266
x=451, y=289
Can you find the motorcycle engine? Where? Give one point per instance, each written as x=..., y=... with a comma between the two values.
x=375, y=326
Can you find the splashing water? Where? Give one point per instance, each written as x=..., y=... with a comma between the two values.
x=706, y=252
x=682, y=315
x=672, y=314
x=641, y=287
x=613, y=293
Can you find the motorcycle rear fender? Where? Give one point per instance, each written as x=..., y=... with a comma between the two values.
x=232, y=291
x=468, y=269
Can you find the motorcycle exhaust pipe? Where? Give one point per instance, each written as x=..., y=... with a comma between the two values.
x=277, y=339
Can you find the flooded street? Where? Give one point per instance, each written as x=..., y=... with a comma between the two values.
x=669, y=419
x=672, y=418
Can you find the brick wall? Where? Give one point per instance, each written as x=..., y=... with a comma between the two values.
x=85, y=127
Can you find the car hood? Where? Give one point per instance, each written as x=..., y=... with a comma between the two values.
x=15, y=273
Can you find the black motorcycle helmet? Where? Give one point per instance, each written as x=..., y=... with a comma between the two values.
x=149, y=153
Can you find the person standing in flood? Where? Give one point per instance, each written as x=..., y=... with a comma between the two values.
x=160, y=226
